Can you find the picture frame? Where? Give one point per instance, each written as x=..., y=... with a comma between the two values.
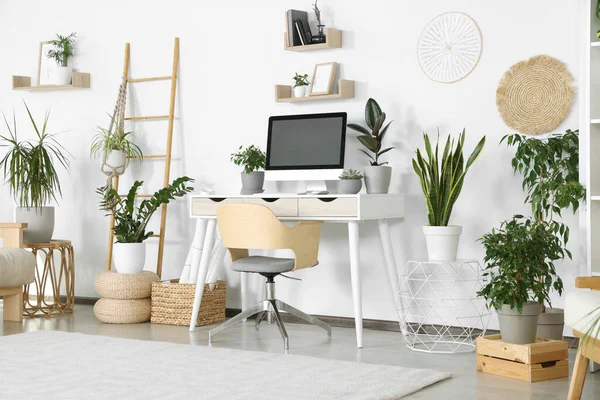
x=46, y=66
x=323, y=79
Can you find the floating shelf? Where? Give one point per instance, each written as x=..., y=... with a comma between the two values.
x=595, y=198
x=595, y=121
x=595, y=44
x=333, y=40
x=81, y=80
x=283, y=93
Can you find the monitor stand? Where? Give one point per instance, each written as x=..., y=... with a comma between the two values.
x=314, y=187
x=299, y=187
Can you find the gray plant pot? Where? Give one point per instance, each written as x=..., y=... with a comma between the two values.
x=519, y=328
x=40, y=223
x=332, y=186
x=377, y=179
x=551, y=324
x=349, y=186
x=253, y=182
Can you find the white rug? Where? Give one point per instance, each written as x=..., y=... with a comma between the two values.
x=60, y=365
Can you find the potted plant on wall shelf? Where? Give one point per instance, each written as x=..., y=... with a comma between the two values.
x=442, y=181
x=300, y=84
x=63, y=50
x=115, y=148
x=350, y=181
x=252, y=159
x=550, y=170
x=129, y=251
x=520, y=273
x=378, y=175
x=33, y=181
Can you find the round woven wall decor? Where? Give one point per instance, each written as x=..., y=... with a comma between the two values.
x=449, y=47
x=534, y=96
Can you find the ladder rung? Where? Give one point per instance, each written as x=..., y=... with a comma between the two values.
x=156, y=78
x=146, y=118
x=155, y=236
x=139, y=195
x=151, y=156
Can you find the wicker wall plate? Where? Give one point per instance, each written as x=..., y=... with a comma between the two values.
x=113, y=285
x=172, y=304
x=113, y=311
x=534, y=96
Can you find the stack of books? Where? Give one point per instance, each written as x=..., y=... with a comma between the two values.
x=297, y=29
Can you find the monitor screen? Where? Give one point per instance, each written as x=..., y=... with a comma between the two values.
x=311, y=141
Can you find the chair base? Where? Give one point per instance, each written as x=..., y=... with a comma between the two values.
x=263, y=308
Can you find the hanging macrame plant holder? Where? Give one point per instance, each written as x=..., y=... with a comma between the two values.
x=115, y=162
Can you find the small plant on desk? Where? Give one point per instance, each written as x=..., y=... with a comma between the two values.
x=351, y=174
x=252, y=159
x=350, y=181
x=300, y=84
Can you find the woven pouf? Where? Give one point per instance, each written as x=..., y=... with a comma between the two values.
x=113, y=285
x=113, y=311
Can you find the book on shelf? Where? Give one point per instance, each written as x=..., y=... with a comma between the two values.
x=297, y=25
x=297, y=35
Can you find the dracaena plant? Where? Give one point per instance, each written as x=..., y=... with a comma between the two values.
x=372, y=136
x=442, y=179
x=251, y=158
x=131, y=221
x=63, y=49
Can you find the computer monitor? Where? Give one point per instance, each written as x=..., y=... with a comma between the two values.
x=306, y=147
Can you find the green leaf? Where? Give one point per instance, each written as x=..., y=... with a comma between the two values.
x=359, y=128
x=372, y=113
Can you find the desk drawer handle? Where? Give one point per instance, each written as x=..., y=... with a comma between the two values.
x=217, y=199
x=270, y=199
x=327, y=199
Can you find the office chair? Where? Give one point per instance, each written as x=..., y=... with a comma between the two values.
x=246, y=227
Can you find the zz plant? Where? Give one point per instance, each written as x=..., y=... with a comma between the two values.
x=63, y=49
x=372, y=136
x=131, y=222
x=251, y=158
x=442, y=179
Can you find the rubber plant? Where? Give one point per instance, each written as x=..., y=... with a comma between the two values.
x=442, y=179
x=372, y=136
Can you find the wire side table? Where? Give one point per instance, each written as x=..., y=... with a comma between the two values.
x=43, y=296
x=438, y=306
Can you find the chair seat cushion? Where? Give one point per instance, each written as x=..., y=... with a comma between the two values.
x=579, y=304
x=260, y=264
x=17, y=267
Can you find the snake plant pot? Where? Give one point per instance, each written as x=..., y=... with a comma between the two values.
x=40, y=223
x=116, y=161
x=377, y=179
x=551, y=324
x=299, y=91
x=253, y=182
x=129, y=258
x=519, y=327
x=349, y=186
x=63, y=76
x=442, y=242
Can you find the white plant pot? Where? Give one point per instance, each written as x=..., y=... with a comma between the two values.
x=40, y=223
x=115, y=161
x=129, y=258
x=299, y=91
x=442, y=242
x=63, y=76
x=377, y=179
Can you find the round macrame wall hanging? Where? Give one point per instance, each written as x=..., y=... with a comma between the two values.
x=534, y=96
x=449, y=47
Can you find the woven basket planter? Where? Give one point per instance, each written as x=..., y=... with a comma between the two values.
x=172, y=304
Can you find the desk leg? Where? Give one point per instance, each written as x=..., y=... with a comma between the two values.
x=355, y=277
x=197, y=248
x=209, y=242
x=390, y=262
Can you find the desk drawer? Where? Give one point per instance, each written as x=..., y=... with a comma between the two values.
x=328, y=207
x=282, y=207
x=205, y=206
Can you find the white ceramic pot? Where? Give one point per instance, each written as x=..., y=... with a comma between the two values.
x=377, y=179
x=299, y=91
x=442, y=242
x=115, y=161
x=63, y=75
x=129, y=258
x=40, y=223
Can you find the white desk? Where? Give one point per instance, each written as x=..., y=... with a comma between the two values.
x=350, y=209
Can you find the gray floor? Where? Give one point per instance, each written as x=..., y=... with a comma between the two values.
x=380, y=348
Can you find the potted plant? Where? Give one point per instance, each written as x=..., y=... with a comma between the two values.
x=129, y=251
x=320, y=36
x=378, y=175
x=252, y=159
x=63, y=50
x=519, y=274
x=350, y=181
x=33, y=181
x=442, y=181
x=550, y=170
x=300, y=84
x=115, y=148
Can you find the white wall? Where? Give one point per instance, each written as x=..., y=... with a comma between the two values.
x=231, y=56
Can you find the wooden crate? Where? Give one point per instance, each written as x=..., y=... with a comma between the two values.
x=543, y=360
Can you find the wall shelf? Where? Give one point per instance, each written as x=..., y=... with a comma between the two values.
x=333, y=40
x=80, y=80
x=595, y=44
x=283, y=93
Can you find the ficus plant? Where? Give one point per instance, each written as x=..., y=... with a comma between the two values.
x=372, y=136
x=300, y=80
x=252, y=158
x=63, y=49
x=442, y=179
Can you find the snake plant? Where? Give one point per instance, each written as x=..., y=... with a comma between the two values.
x=442, y=180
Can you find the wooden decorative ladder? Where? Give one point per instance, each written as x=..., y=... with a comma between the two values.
x=166, y=156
